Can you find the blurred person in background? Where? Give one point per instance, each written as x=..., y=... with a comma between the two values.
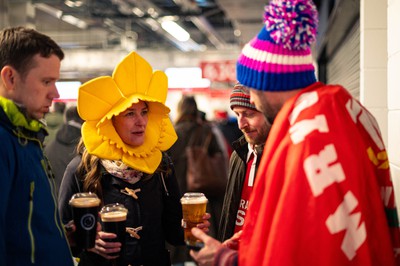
x=31, y=232
x=188, y=125
x=62, y=148
x=221, y=139
x=244, y=161
x=122, y=159
x=228, y=127
x=54, y=120
x=323, y=193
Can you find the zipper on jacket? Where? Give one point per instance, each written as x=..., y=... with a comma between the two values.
x=32, y=238
x=165, y=187
x=50, y=178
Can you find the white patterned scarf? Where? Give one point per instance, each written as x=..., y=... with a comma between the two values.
x=122, y=171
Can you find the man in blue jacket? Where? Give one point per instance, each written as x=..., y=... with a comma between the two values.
x=30, y=228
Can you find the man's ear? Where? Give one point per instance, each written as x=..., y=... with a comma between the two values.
x=8, y=75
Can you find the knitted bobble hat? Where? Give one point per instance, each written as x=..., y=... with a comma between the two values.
x=279, y=57
x=240, y=96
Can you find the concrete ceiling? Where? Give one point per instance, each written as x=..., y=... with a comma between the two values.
x=87, y=28
x=130, y=24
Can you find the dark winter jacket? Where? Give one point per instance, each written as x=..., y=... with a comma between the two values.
x=185, y=130
x=233, y=193
x=157, y=210
x=61, y=150
x=31, y=232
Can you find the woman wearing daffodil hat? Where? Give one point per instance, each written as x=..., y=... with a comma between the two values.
x=122, y=160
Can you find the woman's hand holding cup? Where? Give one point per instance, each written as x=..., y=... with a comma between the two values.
x=106, y=248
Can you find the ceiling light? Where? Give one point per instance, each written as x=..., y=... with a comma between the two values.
x=175, y=30
x=137, y=12
x=74, y=21
x=109, y=22
x=49, y=10
x=152, y=12
x=237, y=33
x=153, y=24
x=73, y=3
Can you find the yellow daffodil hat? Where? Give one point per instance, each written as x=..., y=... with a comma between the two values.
x=102, y=98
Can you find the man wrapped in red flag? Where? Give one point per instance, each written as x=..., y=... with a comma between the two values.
x=323, y=193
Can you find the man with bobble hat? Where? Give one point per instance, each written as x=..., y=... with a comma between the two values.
x=323, y=194
x=244, y=161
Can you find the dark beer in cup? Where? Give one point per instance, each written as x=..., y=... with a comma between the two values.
x=113, y=217
x=85, y=208
x=193, y=208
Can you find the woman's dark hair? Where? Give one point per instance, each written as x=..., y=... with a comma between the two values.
x=187, y=109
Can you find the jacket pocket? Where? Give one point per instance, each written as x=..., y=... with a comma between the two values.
x=31, y=236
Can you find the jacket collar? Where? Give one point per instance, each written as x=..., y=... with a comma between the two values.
x=14, y=118
x=241, y=147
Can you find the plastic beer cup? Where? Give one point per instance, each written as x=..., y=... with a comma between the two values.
x=85, y=208
x=194, y=206
x=113, y=218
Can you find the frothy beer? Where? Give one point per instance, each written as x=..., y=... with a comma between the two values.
x=116, y=216
x=113, y=217
x=85, y=207
x=193, y=207
x=84, y=202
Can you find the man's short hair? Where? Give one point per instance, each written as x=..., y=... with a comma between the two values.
x=18, y=46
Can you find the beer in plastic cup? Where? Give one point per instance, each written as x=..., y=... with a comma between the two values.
x=193, y=207
x=85, y=208
x=113, y=217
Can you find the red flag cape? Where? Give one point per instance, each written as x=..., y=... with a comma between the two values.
x=323, y=193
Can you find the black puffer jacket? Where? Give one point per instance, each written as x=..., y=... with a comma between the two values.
x=157, y=210
x=233, y=193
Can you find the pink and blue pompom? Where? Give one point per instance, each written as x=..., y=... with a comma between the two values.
x=292, y=23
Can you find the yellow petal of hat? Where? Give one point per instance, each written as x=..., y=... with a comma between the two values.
x=102, y=98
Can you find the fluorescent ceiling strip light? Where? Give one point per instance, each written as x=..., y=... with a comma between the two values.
x=49, y=10
x=73, y=4
x=175, y=30
x=74, y=21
